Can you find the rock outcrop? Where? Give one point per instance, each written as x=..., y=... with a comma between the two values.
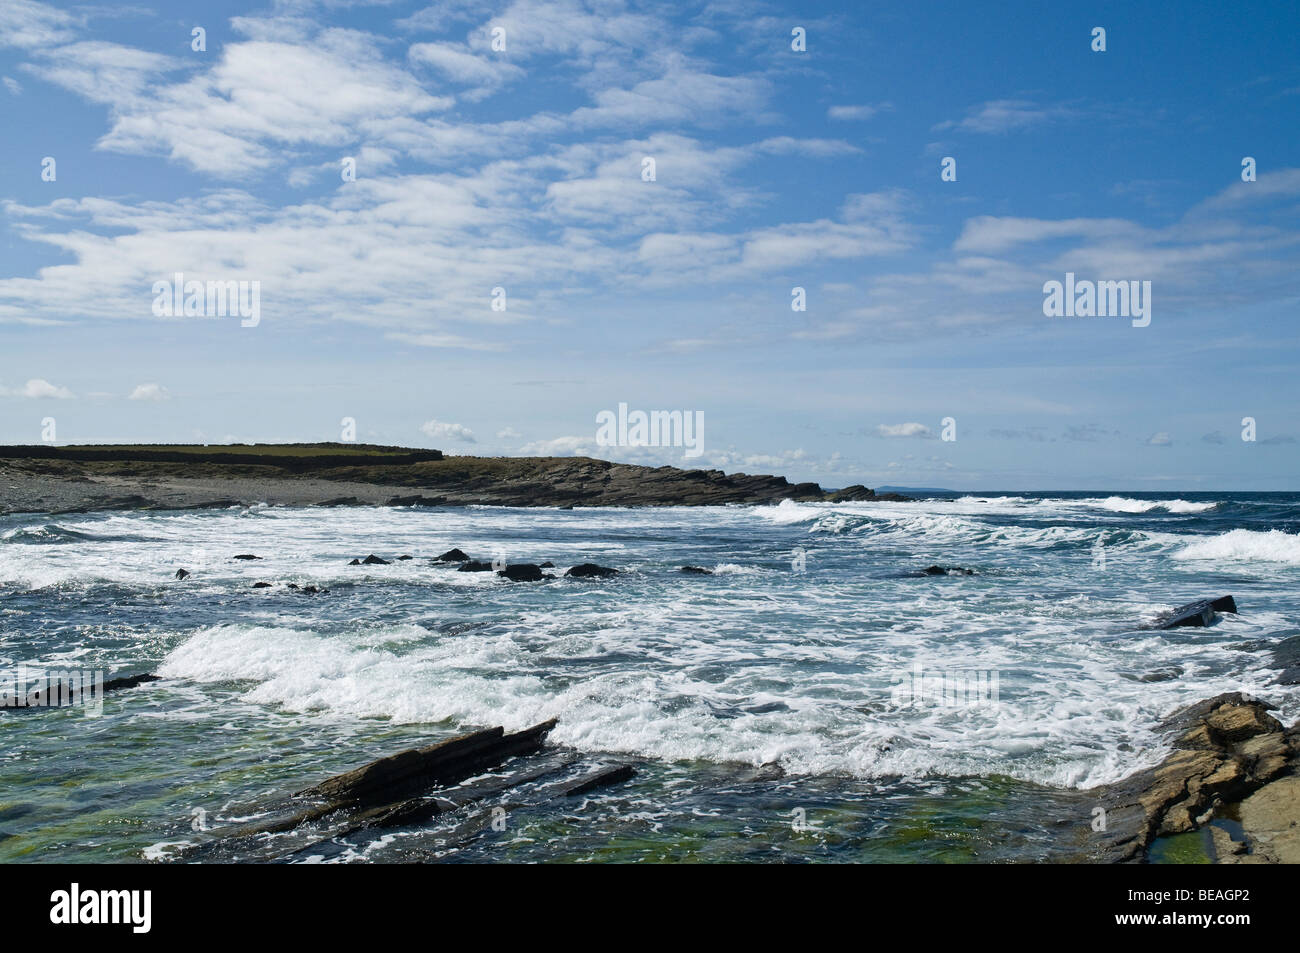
x=1225, y=750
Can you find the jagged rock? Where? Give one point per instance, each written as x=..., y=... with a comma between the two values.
x=1201, y=613
x=355, y=562
x=946, y=571
x=261, y=585
x=452, y=556
x=524, y=572
x=373, y=560
x=1225, y=748
x=590, y=570
x=415, y=771
x=182, y=573
x=247, y=556
x=696, y=570
x=474, y=565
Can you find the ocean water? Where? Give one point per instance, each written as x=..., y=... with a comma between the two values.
x=802, y=648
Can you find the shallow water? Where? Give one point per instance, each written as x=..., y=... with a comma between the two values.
x=806, y=661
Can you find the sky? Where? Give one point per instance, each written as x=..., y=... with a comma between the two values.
x=477, y=226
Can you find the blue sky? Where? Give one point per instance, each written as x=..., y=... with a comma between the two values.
x=775, y=168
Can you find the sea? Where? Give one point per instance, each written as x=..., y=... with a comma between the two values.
x=814, y=697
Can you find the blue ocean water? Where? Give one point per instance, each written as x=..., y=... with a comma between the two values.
x=804, y=647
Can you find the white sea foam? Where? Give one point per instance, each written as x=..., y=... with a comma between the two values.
x=1246, y=545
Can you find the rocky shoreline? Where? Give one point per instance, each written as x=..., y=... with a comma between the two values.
x=82, y=479
x=1234, y=771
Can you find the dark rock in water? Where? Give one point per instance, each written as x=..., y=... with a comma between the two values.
x=696, y=570
x=373, y=560
x=261, y=585
x=355, y=562
x=1201, y=613
x=312, y=590
x=615, y=774
x=404, y=558
x=547, y=565
x=410, y=773
x=947, y=571
x=292, y=585
x=129, y=681
x=247, y=556
x=1163, y=674
x=475, y=566
x=452, y=556
x=590, y=570
x=1286, y=656
x=523, y=572
x=182, y=573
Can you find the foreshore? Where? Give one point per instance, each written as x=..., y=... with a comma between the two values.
x=44, y=479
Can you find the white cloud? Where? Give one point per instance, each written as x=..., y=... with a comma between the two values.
x=438, y=430
x=1003, y=115
x=11, y=84
x=1160, y=439
x=854, y=112
x=38, y=388
x=509, y=433
x=560, y=447
x=150, y=392
x=910, y=429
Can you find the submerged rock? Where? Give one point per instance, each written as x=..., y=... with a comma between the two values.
x=1202, y=613
x=404, y=558
x=247, y=556
x=591, y=570
x=946, y=571
x=524, y=572
x=474, y=565
x=373, y=560
x=261, y=585
x=182, y=573
x=696, y=570
x=452, y=556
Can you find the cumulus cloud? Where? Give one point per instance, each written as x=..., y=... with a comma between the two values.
x=150, y=392
x=38, y=388
x=438, y=430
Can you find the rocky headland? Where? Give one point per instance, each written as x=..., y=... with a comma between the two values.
x=47, y=479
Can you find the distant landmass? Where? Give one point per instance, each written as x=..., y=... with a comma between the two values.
x=53, y=479
x=913, y=490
